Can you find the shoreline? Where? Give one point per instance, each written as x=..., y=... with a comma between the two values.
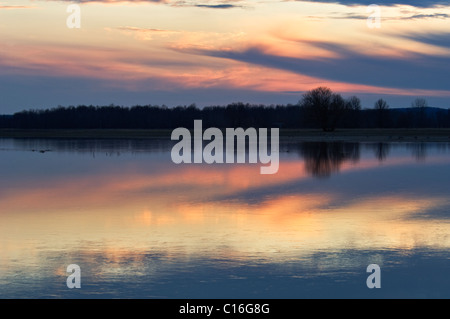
x=350, y=135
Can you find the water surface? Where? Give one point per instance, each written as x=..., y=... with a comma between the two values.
x=140, y=226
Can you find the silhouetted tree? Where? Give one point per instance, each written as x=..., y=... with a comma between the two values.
x=318, y=108
x=352, y=112
x=420, y=105
x=443, y=118
x=382, y=113
x=353, y=103
x=405, y=119
x=324, y=107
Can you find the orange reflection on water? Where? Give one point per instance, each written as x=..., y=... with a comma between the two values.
x=195, y=209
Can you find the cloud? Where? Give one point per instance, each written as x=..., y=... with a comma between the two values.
x=414, y=3
x=354, y=16
x=112, y=2
x=436, y=39
x=427, y=16
x=217, y=6
x=146, y=34
x=14, y=7
x=207, y=4
x=416, y=71
x=224, y=5
x=151, y=30
x=116, y=1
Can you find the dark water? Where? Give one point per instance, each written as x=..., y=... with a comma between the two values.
x=140, y=226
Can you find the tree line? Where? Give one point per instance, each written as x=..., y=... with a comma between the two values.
x=318, y=108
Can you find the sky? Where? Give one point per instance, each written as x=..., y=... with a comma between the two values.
x=214, y=52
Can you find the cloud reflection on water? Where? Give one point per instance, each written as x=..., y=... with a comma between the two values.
x=156, y=216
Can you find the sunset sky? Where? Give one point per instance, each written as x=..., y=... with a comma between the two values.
x=213, y=52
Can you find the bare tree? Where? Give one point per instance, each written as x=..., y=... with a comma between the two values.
x=324, y=107
x=381, y=105
x=353, y=111
x=420, y=105
x=382, y=109
x=353, y=103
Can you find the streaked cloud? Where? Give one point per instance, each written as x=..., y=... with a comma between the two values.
x=194, y=49
x=414, y=3
x=417, y=71
x=175, y=3
x=113, y=1
x=217, y=6
x=14, y=7
x=427, y=16
x=441, y=39
x=227, y=4
x=385, y=18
